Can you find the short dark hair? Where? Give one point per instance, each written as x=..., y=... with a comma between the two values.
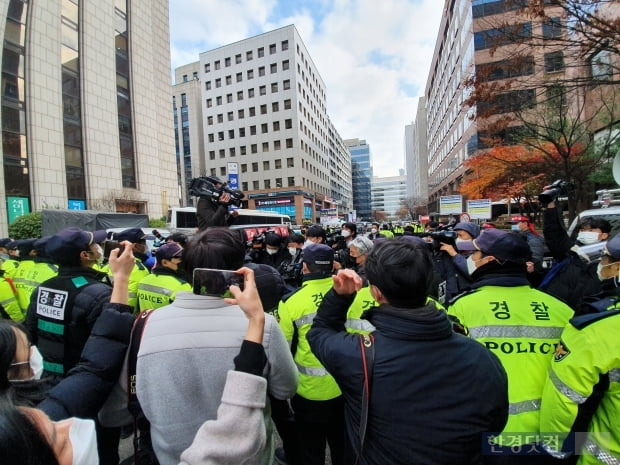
x=316, y=231
x=596, y=223
x=401, y=270
x=273, y=239
x=351, y=227
x=218, y=248
x=296, y=238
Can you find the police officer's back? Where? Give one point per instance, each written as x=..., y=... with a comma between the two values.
x=161, y=286
x=42, y=269
x=519, y=324
x=64, y=309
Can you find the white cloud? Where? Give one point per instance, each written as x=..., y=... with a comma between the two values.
x=374, y=57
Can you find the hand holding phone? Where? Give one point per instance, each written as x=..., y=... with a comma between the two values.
x=212, y=282
x=248, y=299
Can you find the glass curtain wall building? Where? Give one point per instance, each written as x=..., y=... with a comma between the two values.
x=361, y=167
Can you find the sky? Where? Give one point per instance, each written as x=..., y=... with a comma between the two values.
x=374, y=56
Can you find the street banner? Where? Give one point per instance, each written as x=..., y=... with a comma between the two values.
x=451, y=205
x=479, y=209
x=233, y=175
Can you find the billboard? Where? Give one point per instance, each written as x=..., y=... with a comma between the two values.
x=451, y=205
x=479, y=209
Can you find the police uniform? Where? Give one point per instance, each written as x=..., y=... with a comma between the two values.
x=585, y=377
x=140, y=271
x=318, y=403
x=41, y=271
x=9, y=305
x=519, y=324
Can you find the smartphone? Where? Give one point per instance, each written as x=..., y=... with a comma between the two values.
x=109, y=246
x=208, y=281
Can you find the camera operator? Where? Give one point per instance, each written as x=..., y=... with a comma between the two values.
x=453, y=271
x=210, y=212
x=570, y=279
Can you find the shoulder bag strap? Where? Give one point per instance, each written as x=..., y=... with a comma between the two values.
x=367, y=348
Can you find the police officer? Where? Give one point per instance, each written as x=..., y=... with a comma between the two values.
x=9, y=305
x=10, y=265
x=64, y=309
x=519, y=324
x=4, y=252
x=211, y=212
x=585, y=372
x=318, y=404
x=138, y=241
x=161, y=286
x=42, y=270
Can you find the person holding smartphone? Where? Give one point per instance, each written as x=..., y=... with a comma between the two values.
x=188, y=347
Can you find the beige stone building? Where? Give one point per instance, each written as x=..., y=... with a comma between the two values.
x=86, y=113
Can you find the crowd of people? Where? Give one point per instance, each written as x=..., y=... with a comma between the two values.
x=433, y=344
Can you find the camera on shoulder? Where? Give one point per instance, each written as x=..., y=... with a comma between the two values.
x=553, y=191
x=213, y=188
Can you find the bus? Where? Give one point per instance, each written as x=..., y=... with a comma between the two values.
x=185, y=218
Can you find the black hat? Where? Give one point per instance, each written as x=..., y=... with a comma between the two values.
x=40, y=244
x=270, y=284
x=25, y=246
x=612, y=247
x=503, y=245
x=4, y=242
x=318, y=254
x=169, y=251
x=133, y=235
x=71, y=240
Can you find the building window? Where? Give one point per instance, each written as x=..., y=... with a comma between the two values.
x=239, y=77
x=216, y=64
x=601, y=66
x=229, y=98
x=231, y=152
x=264, y=128
x=266, y=165
x=238, y=58
x=263, y=109
x=255, y=185
x=286, y=84
x=290, y=162
x=502, y=36
x=220, y=135
x=284, y=45
x=222, y=171
x=213, y=172
x=262, y=90
x=275, y=106
x=251, y=92
x=227, y=62
x=208, y=85
x=252, y=130
x=243, y=150
x=254, y=148
x=218, y=83
x=291, y=181
x=230, y=115
x=506, y=69
x=272, y=49
x=207, y=67
x=261, y=71
x=220, y=118
x=278, y=163
x=252, y=111
x=276, y=125
x=210, y=137
x=244, y=167
x=248, y=55
x=265, y=147
x=222, y=153
x=273, y=68
x=195, y=75
x=241, y=114
x=274, y=87
x=255, y=167
x=287, y=104
x=267, y=183
x=209, y=103
x=250, y=74
x=241, y=132
x=240, y=95
x=554, y=61
x=278, y=182
x=228, y=80
x=244, y=186
x=288, y=123
x=211, y=154
x=261, y=52
x=276, y=145
x=285, y=65
x=210, y=120
x=552, y=28
x=218, y=100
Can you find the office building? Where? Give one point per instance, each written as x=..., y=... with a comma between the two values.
x=264, y=115
x=388, y=195
x=85, y=107
x=471, y=41
x=416, y=155
x=361, y=166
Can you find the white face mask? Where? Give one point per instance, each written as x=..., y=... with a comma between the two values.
x=471, y=264
x=587, y=237
x=458, y=241
x=345, y=233
x=515, y=227
x=99, y=259
x=373, y=230
x=271, y=251
x=84, y=442
x=307, y=243
x=292, y=251
x=36, y=362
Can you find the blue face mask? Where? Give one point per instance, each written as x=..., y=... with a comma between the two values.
x=515, y=227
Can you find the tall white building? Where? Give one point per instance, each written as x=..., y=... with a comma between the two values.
x=263, y=105
x=85, y=107
x=388, y=194
x=417, y=154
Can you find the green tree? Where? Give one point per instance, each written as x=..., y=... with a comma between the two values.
x=26, y=226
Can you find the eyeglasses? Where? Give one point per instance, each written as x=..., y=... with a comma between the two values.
x=16, y=364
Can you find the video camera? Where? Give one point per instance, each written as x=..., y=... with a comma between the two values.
x=447, y=236
x=553, y=191
x=206, y=187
